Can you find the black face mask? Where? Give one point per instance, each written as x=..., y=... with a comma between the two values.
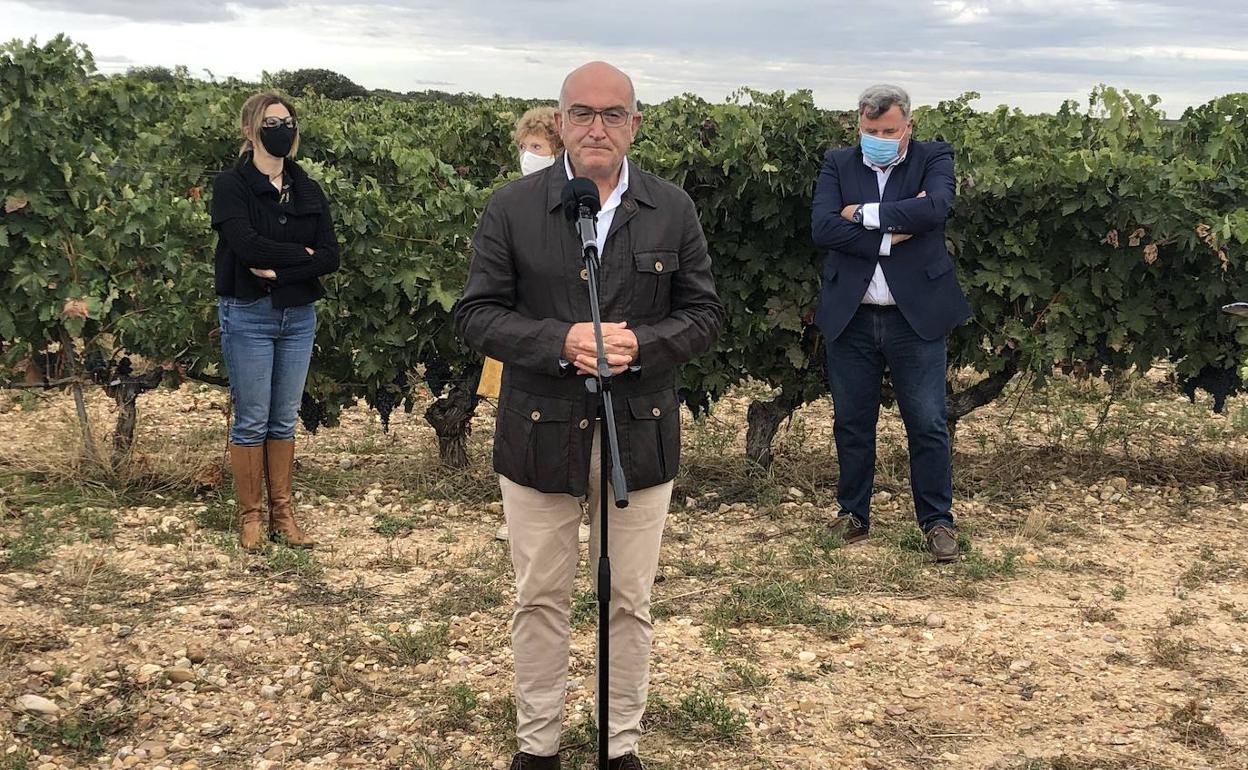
x=278, y=140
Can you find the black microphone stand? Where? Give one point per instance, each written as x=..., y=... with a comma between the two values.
x=609, y=457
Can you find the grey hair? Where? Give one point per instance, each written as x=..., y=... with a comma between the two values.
x=880, y=98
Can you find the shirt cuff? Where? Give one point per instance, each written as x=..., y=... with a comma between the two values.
x=886, y=245
x=871, y=216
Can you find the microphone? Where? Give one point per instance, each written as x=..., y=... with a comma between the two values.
x=581, y=207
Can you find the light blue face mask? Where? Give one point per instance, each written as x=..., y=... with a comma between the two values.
x=879, y=151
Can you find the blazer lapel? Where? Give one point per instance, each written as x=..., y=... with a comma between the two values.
x=895, y=184
x=569, y=245
x=867, y=179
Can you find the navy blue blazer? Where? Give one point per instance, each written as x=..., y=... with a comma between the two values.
x=919, y=271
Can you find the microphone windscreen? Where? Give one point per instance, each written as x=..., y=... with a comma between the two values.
x=580, y=192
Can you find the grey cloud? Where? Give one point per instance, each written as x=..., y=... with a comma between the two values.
x=1007, y=49
x=850, y=33
x=157, y=10
x=1030, y=53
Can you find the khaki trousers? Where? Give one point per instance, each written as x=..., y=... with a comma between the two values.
x=544, y=553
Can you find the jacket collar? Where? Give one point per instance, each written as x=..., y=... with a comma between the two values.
x=303, y=195
x=638, y=192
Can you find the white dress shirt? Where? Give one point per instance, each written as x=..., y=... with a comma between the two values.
x=606, y=215
x=878, y=292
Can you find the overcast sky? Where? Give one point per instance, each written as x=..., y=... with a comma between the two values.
x=1026, y=53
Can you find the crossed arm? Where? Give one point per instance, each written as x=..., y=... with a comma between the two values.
x=832, y=225
x=277, y=261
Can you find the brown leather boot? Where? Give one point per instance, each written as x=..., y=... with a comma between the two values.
x=280, y=461
x=247, y=463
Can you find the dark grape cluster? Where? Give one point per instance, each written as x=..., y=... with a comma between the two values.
x=97, y=367
x=699, y=402
x=437, y=376
x=102, y=371
x=1102, y=351
x=1218, y=383
x=383, y=401
x=385, y=398
x=311, y=413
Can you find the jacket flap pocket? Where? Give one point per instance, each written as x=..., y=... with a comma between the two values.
x=652, y=406
x=537, y=408
x=657, y=261
x=940, y=268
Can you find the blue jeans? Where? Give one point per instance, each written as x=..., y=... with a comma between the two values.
x=874, y=337
x=267, y=352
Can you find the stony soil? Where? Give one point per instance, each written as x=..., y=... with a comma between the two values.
x=1099, y=620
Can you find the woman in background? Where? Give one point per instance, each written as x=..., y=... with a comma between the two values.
x=537, y=141
x=275, y=239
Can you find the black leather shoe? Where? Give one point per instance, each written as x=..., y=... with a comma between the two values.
x=847, y=527
x=525, y=761
x=626, y=762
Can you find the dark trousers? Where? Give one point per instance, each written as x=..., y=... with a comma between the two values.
x=877, y=336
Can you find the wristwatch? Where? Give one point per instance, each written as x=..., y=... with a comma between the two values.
x=857, y=217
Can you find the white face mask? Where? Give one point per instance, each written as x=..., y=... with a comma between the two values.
x=530, y=162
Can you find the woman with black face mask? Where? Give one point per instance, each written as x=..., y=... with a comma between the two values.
x=275, y=238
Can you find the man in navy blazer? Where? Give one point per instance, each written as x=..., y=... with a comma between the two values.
x=889, y=298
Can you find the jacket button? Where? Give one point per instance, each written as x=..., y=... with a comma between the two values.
x=658, y=267
x=584, y=274
x=584, y=424
x=282, y=219
x=535, y=416
x=656, y=411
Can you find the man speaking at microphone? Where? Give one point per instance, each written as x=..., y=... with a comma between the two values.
x=527, y=305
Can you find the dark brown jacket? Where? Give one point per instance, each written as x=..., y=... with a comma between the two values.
x=526, y=288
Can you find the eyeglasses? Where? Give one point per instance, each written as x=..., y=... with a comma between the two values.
x=612, y=117
x=275, y=122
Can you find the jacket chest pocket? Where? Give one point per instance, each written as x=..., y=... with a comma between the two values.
x=652, y=283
